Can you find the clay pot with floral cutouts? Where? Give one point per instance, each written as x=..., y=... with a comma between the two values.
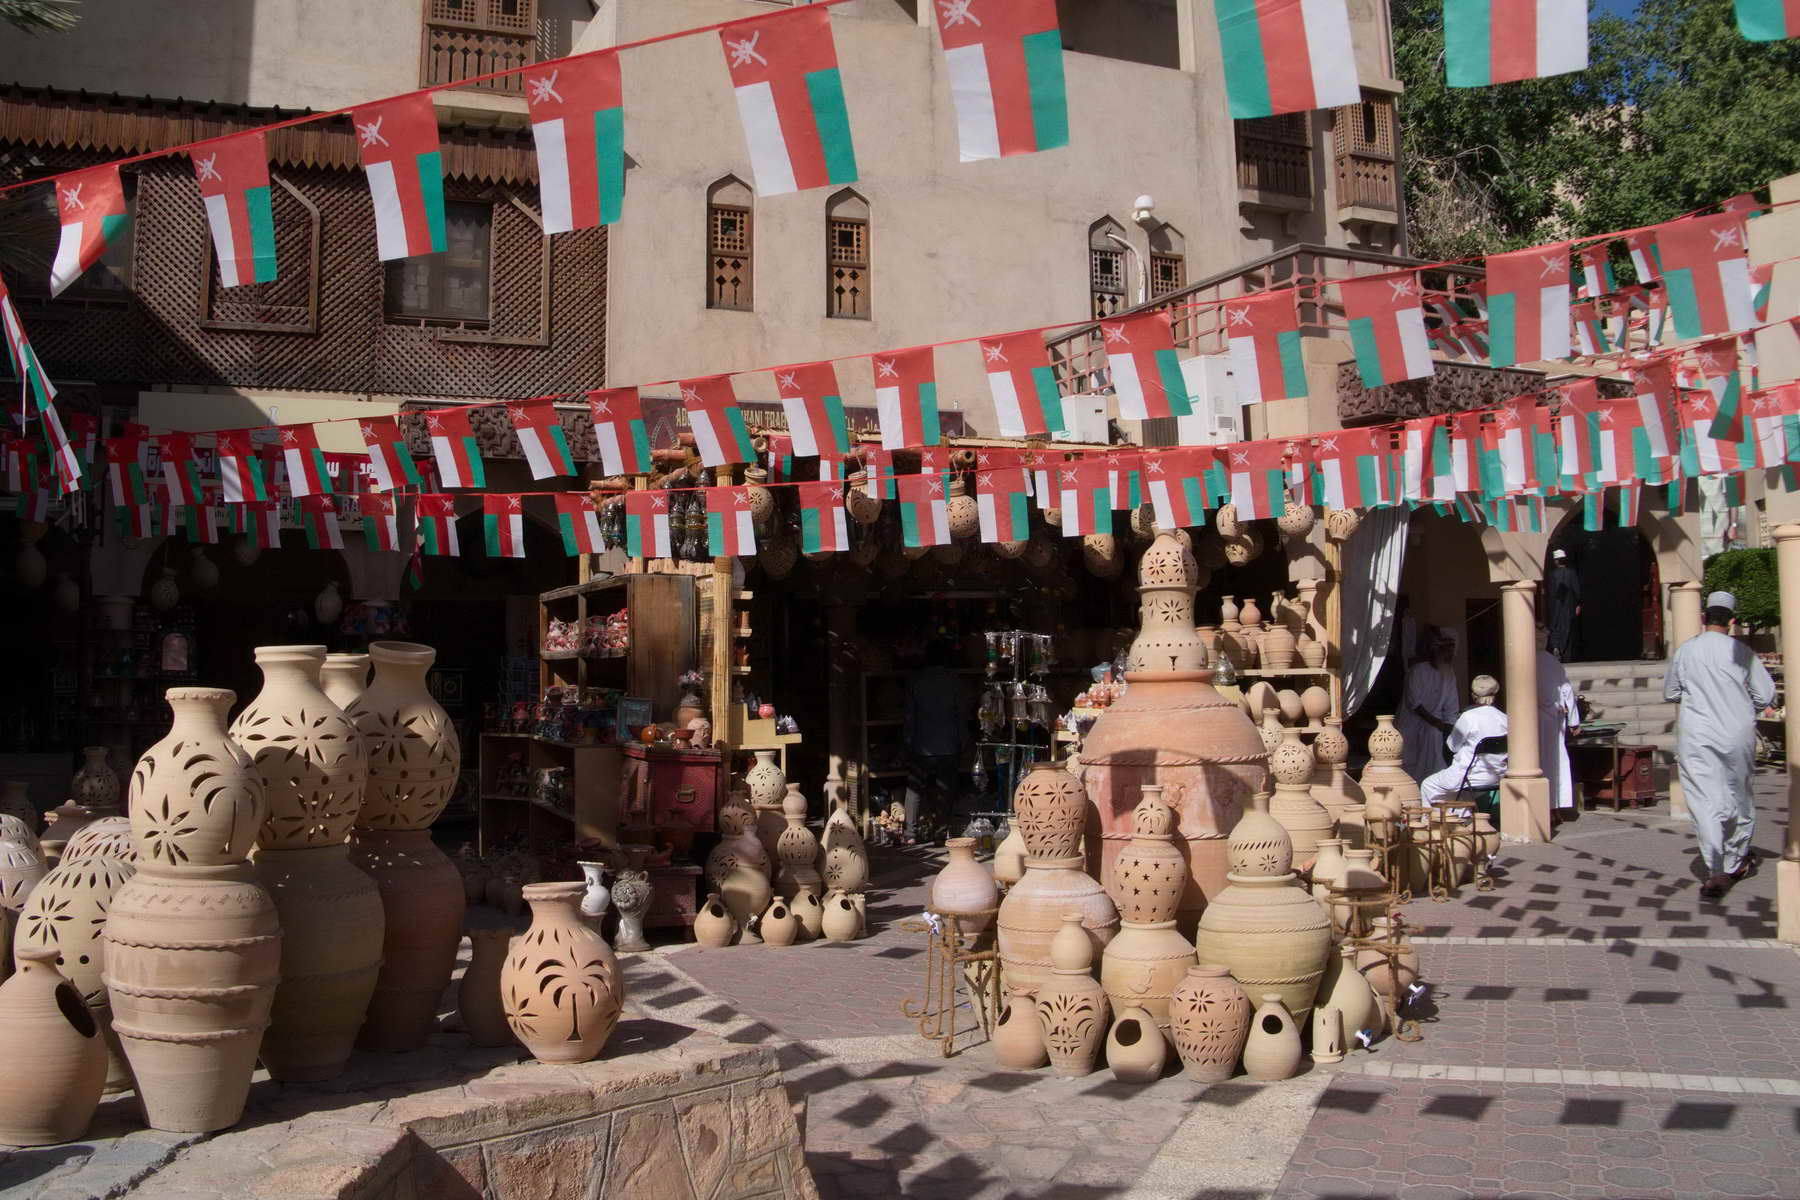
x=561, y=987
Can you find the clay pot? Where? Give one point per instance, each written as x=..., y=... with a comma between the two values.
x=1278, y=648
x=766, y=783
x=413, y=752
x=1135, y=1049
x=964, y=513
x=1340, y=523
x=60, y=824
x=344, y=677
x=1296, y=520
x=15, y=800
x=1311, y=651
x=108, y=837
x=422, y=906
x=478, y=993
x=1019, y=1036
x=1351, y=827
x=779, y=927
x=14, y=830
x=841, y=922
x=55, y=1056
x=1209, y=1020
x=66, y=914
x=21, y=867
x=97, y=787
x=195, y=799
x=713, y=926
x=1009, y=856
x=844, y=861
x=1327, y=1035
x=964, y=889
x=1228, y=615
x=1031, y=915
x=595, y=898
x=762, y=500
x=1345, y=989
x=560, y=986
x=1071, y=1004
x=736, y=867
x=1327, y=870
x=306, y=751
x=1149, y=873
x=1385, y=783
x=1293, y=806
x=1272, y=1051
x=809, y=910
x=797, y=848
x=1049, y=810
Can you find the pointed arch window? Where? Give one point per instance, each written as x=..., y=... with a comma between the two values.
x=1106, y=267
x=847, y=273
x=729, y=242
x=1168, y=261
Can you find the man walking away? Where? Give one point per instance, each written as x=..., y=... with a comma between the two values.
x=1564, y=587
x=1721, y=685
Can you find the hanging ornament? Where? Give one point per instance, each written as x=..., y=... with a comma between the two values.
x=203, y=572
x=165, y=593
x=964, y=512
x=1296, y=520
x=328, y=606
x=246, y=551
x=66, y=593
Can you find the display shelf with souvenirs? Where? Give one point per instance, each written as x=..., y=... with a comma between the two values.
x=1013, y=719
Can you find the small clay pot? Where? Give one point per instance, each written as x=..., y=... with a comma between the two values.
x=713, y=926
x=780, y=927
x=841, y=922
x=1135, y=1049
x=1272, y=1052
x=1019, y=1037
x=55, y=1056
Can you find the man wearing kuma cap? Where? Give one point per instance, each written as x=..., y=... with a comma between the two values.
x=1721, y=685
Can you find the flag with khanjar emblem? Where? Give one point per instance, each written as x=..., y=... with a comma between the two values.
x=180, y=467
x=1701, y=452
x=390, y=462
x=454, y=449
x=1286, y=56
x=1597, y=278
x=1026, y=400
x=1003, y=498
x=1587, y=453
x=577, y=108
x=1387, y=328
x=578, y=520
x=1040, y=470
x=241, y=474
x=790, y=97
x=319, y=520
x=1646, y=258
x=814, y=404
x=1652, y=426
x=1590, y=330
x=1717, y=362
x=1176, y=481
x=1527, y=443
x=436, y=514
x=380, y=520
x=503, y=521
x=924, y=510
x=90, y=204
x=906, y=398
x=1146, y=371
x=1263, y=336
x=125, y=471
x=1775, y=414
x=397, y=141
x=717, y=421
x=1528, y=305
x=1258, y=472
x=730, y=527
x=1706, y=274
x=260, y=521
x=823, y=526
x=1352, y=466
x=1425, y=472
x=233, y=174
x=307, y=473
x=201, y=521
x=1086, y=498
x=540, y=431
x=647, y=524
x=619, y=430
x=1005, y=63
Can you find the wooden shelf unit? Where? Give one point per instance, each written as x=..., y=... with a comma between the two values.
x=661, y=645
x=595, y=772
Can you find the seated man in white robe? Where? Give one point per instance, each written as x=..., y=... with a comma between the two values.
x=1481, y=720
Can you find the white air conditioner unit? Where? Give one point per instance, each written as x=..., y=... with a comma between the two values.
x=1218, y=416
x=1084, y=419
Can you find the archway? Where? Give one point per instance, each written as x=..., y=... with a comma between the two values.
x=1621, y=612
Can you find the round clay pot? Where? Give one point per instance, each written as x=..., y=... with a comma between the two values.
x=744, y=886
x=1071, y=1004
x=1385, y=783
x=1296, y=520
x=196, y=800
x=963, y=512
x=1272, y=1051
x=306, y=751
x=60, y=824
x=1135, y=1049
x=1049, y=810
x=1209, y=1020
x=560, y=986
x=1327, y=871
x=1293, y=806
x=1292, y=710
x=1031, y=915
x=13, y=830
x=779, y=927
x=108, y=837
x=1009, y=857
x=713, y=926
x=66, y=915
x=810, y=911
x=1019, y=1036
x=766, y=783
x=844, y=860
x=840, y=923
x=1345, y=989
x=54, y=1054
x=21, y=867
x=478, y=992
x=97, y=787
x=964, y=889
x=344, y=677
x=1278, y=648
x=422, y=905
x=413, y=752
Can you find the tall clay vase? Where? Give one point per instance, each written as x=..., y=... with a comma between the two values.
x=311, y=760
x=1049, y=811
x=344, y=677
x=1347, y=990
x=764, y=780
x=1279, y=647
x=97, y=787
x=843, y=859
x=54, y=1054
x=478, y=992
x=1071, y=1004
x=1209, y=1020
x=1385, y=784
x=65, y=915
x=964, y=889
x=1031, y=915
x=192, y=941
x=738, y=868
x=1136, y=1050
x=561, y=986
x=797, y=849
x=413, y=757
x=1019, y=1036
x=1272, y=1051
x=1142, y=966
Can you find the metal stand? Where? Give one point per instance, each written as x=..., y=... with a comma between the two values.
x=953, y=957
x=1363, y=906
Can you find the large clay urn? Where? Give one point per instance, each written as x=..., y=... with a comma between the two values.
x=54, y=1054
x=1049, y=810
x=65, y=915
x=1265, y=927
x=1385, y=784
x=1032, y=913
x=1304, y=818
x=97, y=787
x=414, y=757
x=965, y=889
x=1142, y=966
x=1170, y=728
x=561, y=986
x=12, y=829
x=1209, y=1020
x=192, y=941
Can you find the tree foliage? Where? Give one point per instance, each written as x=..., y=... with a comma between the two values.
x=1675, y=111
x=1750, y=576
x=39, y=16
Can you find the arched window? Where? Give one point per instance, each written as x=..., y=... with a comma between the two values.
x=847, y=275
x=728, y=245
x=1106, y=267
x=1168, y=261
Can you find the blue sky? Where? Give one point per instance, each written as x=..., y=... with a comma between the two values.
x=1619, y=8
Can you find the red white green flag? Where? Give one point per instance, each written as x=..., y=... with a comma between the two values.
x=730, y=530
x=135, y=520
x=1588, y=455
x=1646, y=259
x=1701, y=452
x=380, y=520
x=822, y=523
x=25, y=365
x=1768, y=20
x=1465, y=451
x=1286, y=55
x=1717, y=362
x=503, y=521
x=784, y=71
x=619, y=430
x=201, y=522
x=1124, y=480
x=436, y=512
x=718, y=423
x=1003, y=498
x=881, y=474
x=241, y=475
x=233, y=174
x=906, y=398
x=454, y=449
x=1026, y=401
x=1086, y=498
x=1352, y=463
x=1177, y=484
x=578, y=124
x=1706, y=274
x=1005, y=62
x=397, y=140
x=924, y=510
x=90, y=203
x=540, y=431
x=319, y=520
x=67, y=461
x=1505, y=41
x=307, y=474
x=814, y=404
x=1775, y=413
x=1258, y=472
x=180, y=469
x=1590, y=330
x=1387, y=328
x=1597, y=278
x=1425, y=472
x=1528, y=304
x=1040, y=469
x=1652, y=427
x=1263, y=335
x=125, y=471
x=647, y=524
x=1146, y=372
x=390, y=461
x=1528, y=458
x=260, y=521
x=578, y=520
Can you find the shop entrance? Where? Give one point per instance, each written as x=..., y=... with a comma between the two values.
x=1621, y=612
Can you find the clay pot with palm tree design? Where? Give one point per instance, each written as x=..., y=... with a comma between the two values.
x=561, y=986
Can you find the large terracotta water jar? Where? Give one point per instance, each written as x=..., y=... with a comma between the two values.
x=1032, y=913
x=560, y=986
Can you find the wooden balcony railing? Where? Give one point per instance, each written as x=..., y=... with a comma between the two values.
x=1278, y=168
x=1367, y=181
x=453, y=54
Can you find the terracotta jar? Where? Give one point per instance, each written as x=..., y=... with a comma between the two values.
x=1249, y=615
x=478, y=992
x=1391, y=978
x=344, y=677
x=962, y=510
x=66, y=914
x=97, y=787
x=1209, y=1020
x=1228, y=615
x=1278, y=647
x=1019, y=1036
x=1385, y=783
x=1031, y=915
x=1049, y=810
x=1328, y=870
x=1135, y=1048
x=1272, y=1051
x=1071, y=1004
x=843, y=859
x=560, y=986
x=15, y=800
x=964, y=889
x=1142, y=966
x=1345, y=989
x=54, y=1054
x=809, y=910
x=713, y=926
x=21, y=867
x=1009, y=857
x=60, y=824
x=413, y=761
x=109, y=837
x=1332, y=786
x=307, y=752
x=779, y=926
x=1293, y=806
x=764, y=780
x=1351, y=827
x=797, y=849
x=1265, y=927
x=1327, y=1035
x=841, y=922
x=738, y=868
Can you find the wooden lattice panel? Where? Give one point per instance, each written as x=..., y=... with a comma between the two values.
x=1453, y=387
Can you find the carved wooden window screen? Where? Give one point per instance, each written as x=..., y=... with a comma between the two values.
x=1363, y=139
x=290, y=302
x=1168, y=273
x=466, y=38
x=451, y=289
x=1274, y=154
x=847, y=257
x=1106, y=280
x=729, y=277
x=1366, y=128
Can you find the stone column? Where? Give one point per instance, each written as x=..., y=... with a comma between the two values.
x=1787, y=871
x=1524, y=793
x=1684, y=623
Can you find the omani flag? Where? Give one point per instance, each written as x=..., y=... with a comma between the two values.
x=1706, y=274
x=397, y=140
x=541, y=436
x=454, y=449
x=1177, y=485
x=1528, y=305
x=1003, y=496
x=180, y=469
x=503, y=520
x=1146, y=372
x=924, y=510
x=437, y=524
x=906, y=398
x=1387, y=328
x=90, y=203
x=1026, y=401
x=380, y=520
x=578, y=123
x=390, y=462
x=307, y=474
x=319, y=521
x=1505, y=41
x=619, y=430
x=1286, y=56
x=233, y=174
x=1352, y=463
x=1086, y=498
x=25, y=365
x=578, y=520
x=241, y=475
x=1258, y=473
x=730, y=527
x=1263, y=335
x=823, y=526
x=814, y=404
x=717, y=421
x=1005, y=62
x=790, y=97
x=647, y=524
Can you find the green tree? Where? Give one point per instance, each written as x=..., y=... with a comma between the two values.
x=1750, y=576
x=39, y=16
